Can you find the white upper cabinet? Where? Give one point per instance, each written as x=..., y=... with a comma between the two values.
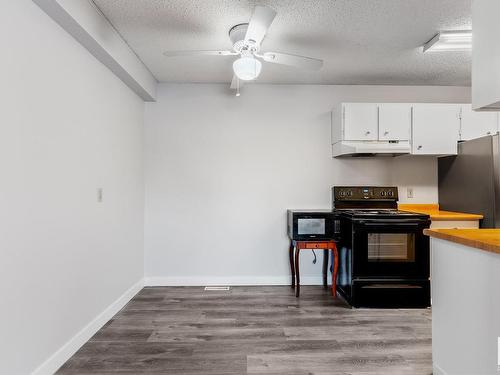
x=394, y=121
x=486, y=55
x=477, y=124
x=402, y=128
x=435, y=129
x=360, y=121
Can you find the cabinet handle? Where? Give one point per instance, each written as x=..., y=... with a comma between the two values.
x=367, y=133
x=419, y=147
x=489, y=133
x=386, y=132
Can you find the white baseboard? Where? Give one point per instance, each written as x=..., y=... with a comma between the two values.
x=51, y=365
x=230, y=280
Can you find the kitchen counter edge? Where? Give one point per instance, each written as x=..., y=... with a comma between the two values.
x=482, y=239
x=438, y=215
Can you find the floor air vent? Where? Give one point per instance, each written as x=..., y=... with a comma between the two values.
x=212, y=288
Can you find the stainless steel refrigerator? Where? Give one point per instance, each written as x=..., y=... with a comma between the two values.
x=470, y=181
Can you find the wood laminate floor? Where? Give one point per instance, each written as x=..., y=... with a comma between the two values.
x=255, y=330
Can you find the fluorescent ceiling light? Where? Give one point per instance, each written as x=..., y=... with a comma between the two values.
x=450, y=41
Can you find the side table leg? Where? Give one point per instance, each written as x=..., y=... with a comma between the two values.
x=335, y=270
x=297, y=274
x=325, y=268
x=292, y=267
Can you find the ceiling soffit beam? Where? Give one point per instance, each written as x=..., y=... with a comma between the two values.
x=82, y=20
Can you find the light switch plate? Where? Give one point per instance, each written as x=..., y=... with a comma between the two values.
x=409, y=192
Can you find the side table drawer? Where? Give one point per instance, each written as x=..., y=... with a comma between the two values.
x=317, y=245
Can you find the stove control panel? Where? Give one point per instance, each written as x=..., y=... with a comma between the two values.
x=357, y=193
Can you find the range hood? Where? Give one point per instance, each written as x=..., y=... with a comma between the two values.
x=370, y=148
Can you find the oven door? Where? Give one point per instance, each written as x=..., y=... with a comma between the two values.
x=394, y=248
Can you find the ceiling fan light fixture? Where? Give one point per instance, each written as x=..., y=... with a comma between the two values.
x=247, y=68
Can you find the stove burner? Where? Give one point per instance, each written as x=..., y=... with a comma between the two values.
x=377, y=213
x=382, y=212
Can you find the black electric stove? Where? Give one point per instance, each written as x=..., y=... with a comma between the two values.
x=383, y=253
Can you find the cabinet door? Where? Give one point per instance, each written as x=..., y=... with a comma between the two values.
x=360, y=121
x=394, y=121
x=435, y=129
x=486, y=55
x=477, y=124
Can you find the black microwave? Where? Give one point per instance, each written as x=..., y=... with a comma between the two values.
x=304, y=225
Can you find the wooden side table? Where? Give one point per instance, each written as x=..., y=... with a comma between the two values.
x=326, y=245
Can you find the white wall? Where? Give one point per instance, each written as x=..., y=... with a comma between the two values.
x=419, y=173
x=67, y=126
x=221, y=172
x=87, y=24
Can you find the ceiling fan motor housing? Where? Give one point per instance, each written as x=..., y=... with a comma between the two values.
x=237, y=35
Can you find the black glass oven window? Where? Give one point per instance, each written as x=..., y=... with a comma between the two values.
x=391, y=247
x=311, y=226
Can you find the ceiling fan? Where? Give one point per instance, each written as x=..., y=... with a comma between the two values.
x=247, y=39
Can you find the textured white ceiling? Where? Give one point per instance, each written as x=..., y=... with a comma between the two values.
x=361, y=41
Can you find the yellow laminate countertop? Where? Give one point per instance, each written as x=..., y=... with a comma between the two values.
x=484, y=239
x=436, y=214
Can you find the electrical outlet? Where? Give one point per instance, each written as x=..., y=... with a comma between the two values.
x=99, y=195
x=409, y=192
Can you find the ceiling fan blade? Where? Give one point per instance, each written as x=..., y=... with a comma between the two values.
x=235, y=84
x=199, y=53
x=262, y=18
x=292, y=60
